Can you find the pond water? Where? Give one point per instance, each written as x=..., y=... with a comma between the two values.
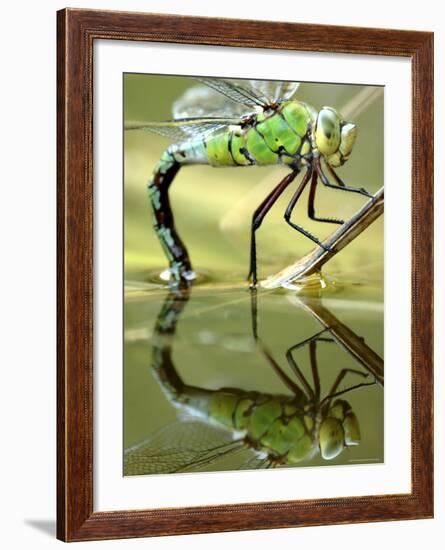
x=191, y=358
x=175, y=346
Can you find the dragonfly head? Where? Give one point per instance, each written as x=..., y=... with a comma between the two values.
x=334, y=137
x=338, y=429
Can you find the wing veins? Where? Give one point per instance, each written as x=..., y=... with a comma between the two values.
x=183, y=128
x=233, y=91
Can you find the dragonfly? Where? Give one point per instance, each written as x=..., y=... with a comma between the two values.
x=227, y=123
x=266, y=430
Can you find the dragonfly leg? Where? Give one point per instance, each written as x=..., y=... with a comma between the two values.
x=258, y=217
x=267, y=354
x=174, y=248
x=316, y=336
x=312, y=341
x=299, y=374
x=314, y=369
x=254, y=312
x=341, y=186
x=310, y=203
x=279, y=371
x=334, y=390
x=291, y=206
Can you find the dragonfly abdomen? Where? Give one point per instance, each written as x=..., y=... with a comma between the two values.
x=175, y=250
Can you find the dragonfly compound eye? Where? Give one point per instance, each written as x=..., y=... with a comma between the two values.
x=331, y=438
x=327, y=131
x=348, y=136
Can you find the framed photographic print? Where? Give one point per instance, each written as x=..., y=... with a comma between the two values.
x=244, y=330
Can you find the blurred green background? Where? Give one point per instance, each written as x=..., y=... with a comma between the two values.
x=213, y=209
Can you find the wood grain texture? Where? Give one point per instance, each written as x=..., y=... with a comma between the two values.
x=77, y=30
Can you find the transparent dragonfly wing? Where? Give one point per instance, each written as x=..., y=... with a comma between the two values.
x=238, y=93
x=273, y=91
x=183, y=128
x=181, y=446
x=255, y=462
x=202, y=101
x=231, y=98
x=252, y=93
x=203, y=110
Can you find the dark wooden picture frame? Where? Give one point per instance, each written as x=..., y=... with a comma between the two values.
x=77, y=31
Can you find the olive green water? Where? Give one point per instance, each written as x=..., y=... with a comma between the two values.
x=213, y=346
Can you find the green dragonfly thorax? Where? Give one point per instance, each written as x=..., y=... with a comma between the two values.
x=278, y=135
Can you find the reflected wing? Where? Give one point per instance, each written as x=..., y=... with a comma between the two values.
x=183, y=128
x=180, y=447
x=255, y=463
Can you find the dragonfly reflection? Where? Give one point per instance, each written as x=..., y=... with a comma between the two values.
x=267, y=430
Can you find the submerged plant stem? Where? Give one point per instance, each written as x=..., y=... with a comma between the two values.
x=346, y=233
